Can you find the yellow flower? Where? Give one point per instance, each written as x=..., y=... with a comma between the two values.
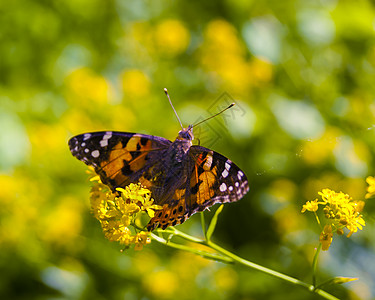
x=340, y=211
x=149, y=207
x=143, y=196
x=113, y=230
x=310, y=206
x=126, y=238
x=326, y=237
x=142, y=238
x=117, y=212
x=99, y=196
x=371, y=188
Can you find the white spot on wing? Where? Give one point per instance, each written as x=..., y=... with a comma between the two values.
x=107, y=135
x=230, y=188
x=227, y=164
x=103, y=143
x=237, y=184
x=95, y=153
x=83, y=144
x=208, y=163
x=223, y=187
x=87, y=150
x=225, y=173
x=239, y=175
x=86, y=136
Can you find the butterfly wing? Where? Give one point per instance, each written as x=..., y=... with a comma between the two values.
x=215, y=179
x=209, y=178
x=120, y=158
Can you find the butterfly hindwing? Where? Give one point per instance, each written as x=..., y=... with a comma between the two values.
x=119, y=158
x=212, y=178
x=215, y=179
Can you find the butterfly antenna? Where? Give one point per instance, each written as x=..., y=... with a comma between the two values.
x=220, y=112
x=166, y=92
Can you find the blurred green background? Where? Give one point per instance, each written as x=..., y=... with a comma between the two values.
x=302, y=74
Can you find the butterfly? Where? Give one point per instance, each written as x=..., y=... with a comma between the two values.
x=183, y=178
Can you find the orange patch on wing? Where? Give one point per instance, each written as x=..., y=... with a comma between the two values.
x=199, y=159
x=179, y=194
x=140, y=161
x=132, y=143
x=115, y=162
x=206, y=191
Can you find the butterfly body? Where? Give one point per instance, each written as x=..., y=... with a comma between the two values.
x=182, y=177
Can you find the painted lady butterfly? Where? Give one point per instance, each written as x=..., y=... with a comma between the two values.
x=183, y=178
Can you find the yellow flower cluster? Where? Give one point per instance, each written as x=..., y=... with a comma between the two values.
x=340, y=211
x=117, y=212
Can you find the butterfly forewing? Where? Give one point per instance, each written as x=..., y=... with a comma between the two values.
x=118, y=157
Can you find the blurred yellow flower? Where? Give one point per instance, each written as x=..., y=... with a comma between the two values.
x=226, y=279
x=74, y=120
x=283, y=190
x=319, y=150
x=7, y=196
x=222, y=34
x=171, y=37
x=371, y=188
x=48, y=142
x=84, y=86
x=135, y=84
x=63, y=224
x=145, y=262
x=161, y=284
x=24, y=213
x=261, y=71
x=223, y=55
x=182, y=261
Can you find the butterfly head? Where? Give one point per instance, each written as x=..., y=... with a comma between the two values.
x=186, y=134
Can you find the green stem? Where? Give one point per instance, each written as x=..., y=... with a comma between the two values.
x=256, y=266
x=317, y=219
x=315, y=263
x=203, y=223
x=174, y=231
x=205, y=254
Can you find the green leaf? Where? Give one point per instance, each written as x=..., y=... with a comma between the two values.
x=336, y=280
x=212, y=225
